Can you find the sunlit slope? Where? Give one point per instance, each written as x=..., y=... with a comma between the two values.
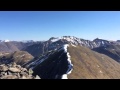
x=88, y=64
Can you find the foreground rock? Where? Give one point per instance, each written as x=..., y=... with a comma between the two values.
x=14, y=71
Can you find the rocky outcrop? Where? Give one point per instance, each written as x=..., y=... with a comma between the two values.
x=14, y=71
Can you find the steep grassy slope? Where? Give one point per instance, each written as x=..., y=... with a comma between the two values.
x=88, y=64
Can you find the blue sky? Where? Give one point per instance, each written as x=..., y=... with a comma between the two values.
x=41, y=25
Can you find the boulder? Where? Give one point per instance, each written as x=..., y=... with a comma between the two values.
x=15, y=70
x=37, y=77
x=3, y=68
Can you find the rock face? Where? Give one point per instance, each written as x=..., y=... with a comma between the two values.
x=14, y=71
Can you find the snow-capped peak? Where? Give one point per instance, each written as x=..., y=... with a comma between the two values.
x=27, y=41
x=54, y=39
x=68, y=38
x=6, y=40
x=71, y=39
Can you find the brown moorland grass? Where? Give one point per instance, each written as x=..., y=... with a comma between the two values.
x=88, y=64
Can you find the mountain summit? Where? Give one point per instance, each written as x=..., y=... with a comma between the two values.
x=56, y=42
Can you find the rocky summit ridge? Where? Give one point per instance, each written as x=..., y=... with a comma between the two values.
x=14, y=71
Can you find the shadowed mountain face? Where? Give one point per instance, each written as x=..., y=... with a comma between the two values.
x=36, y=49
x=52, y=65
x=87, y=64
x=19, y=57
x=112, y=51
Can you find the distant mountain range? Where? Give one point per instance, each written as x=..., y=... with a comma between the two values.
x=11, y=46
x=55, y=43
x=65, y=57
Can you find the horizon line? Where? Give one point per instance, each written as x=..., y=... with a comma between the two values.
x=56, y=37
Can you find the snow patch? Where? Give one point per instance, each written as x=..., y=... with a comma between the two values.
x=103, y=43
x=56, y=39
x=73, y=45
x=64, y=76
x=27, y=41
x=6, y=40
x=65, y=47
x=38, y=61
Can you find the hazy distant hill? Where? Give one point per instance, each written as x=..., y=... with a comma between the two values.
x=11, y=46
x=7, y=47
x=19, y=57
